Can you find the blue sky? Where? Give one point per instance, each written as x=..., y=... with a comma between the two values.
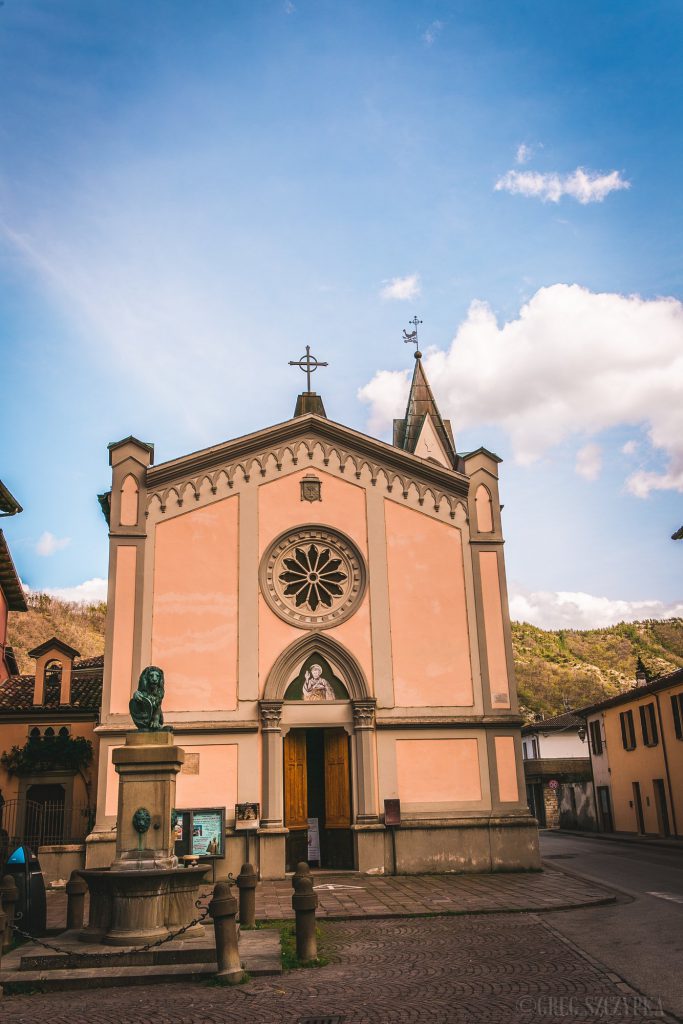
x=190, y=194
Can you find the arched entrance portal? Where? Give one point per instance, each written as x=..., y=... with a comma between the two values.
x=317, y=798
x=319, y=784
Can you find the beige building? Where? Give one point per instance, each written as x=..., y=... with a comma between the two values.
x=636, y=744
x=331, y=616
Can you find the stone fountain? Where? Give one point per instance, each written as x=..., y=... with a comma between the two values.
x=144, y=895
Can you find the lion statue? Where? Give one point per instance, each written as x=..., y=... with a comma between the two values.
x=145, y=704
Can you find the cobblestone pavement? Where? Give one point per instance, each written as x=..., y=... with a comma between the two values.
x=495, y=969
x=349, y=895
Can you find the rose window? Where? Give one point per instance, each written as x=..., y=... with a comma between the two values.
x=313, y=576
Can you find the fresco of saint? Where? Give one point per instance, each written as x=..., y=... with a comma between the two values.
x=316, y=687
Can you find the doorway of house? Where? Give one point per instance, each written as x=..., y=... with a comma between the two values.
x=663, y=826
x=317, y=775
x=638, y=804
x=44, y=814
x=605, y=809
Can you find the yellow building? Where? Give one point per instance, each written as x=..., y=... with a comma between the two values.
x=48, y=756
x=636, y=744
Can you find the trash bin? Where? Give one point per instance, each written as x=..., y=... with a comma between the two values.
x=31, y=910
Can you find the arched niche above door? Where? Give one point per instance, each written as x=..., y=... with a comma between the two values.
x=316, y=682
x=295, y=658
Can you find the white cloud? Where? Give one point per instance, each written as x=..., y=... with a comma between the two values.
x=48, y=544
x=431, y=32
x=402, y=288
x=567, y=610
x=289, y=7
x=589, y=461
x=573, y=364
x=630, y=448
x=90, y=592
x=523, y=154
x=642, y=482
x=585, y=186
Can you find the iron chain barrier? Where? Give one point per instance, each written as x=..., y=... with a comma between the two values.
x=73, y=954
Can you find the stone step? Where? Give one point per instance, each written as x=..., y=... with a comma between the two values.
x=259, y=952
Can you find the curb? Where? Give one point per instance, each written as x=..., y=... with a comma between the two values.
x=614, y=837
x=598, y=883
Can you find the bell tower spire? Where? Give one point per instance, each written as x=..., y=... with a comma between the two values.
x=423, y=431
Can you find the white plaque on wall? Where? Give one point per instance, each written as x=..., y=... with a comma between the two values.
x=313, y=840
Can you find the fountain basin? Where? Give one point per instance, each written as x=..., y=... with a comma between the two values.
x=131, y=907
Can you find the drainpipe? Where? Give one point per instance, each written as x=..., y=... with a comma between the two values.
x=666, y=766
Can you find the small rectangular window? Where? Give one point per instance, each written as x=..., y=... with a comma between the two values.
x=648, y=725
x=677, y=709
x=628, y=731
x=595, y=736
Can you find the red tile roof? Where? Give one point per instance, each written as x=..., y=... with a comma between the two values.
x=16, y=693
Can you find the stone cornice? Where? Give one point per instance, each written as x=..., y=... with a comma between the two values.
x=449, y=722
x=186, y=727
x=377, y=453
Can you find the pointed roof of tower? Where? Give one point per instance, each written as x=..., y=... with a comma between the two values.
x=422, y=406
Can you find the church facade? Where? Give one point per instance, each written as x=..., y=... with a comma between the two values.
x=330, y=615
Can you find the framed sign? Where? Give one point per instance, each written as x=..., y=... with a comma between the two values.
x=392, y=812
x=200, y=831
x=247, y=816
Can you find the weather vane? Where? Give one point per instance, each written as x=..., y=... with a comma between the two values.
x=411, y=339
x=309, y=364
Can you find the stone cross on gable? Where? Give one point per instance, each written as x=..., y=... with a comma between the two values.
x=309, y=364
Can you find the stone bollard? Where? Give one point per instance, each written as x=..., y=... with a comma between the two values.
x=302, y=871
x=246, y=883
x=76, y=889
x=304, y=902
x=223, y=908
x=9, y=894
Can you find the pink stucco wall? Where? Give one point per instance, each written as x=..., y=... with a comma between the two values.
x=124, y=619
x=216, y=783
x=194, y=626
x=3, y=635
x=506, y=763
x=428, y=607
x=342, y=508
x=438, y=771
x=493, y=628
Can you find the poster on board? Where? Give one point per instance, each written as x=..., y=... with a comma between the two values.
x=207, y=833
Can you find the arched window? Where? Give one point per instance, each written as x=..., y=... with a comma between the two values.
x=484, y=509
x=64, y=732
x=49, y=732
x=129, y=502
x=53, y=672
x=34, y=734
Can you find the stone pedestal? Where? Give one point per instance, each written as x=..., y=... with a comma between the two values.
x=144, y=895
x=147, y=768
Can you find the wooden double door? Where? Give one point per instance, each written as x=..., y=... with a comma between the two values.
x=317, y=779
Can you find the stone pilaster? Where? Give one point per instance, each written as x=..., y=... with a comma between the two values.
x=271, y=811
x=366, y=760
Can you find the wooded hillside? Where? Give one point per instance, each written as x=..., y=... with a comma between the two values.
x=555, y=669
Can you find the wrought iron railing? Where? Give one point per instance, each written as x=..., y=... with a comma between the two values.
x=49, y=823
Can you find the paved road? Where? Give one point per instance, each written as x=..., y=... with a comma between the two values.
x=642, y=936
x=493, y=969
